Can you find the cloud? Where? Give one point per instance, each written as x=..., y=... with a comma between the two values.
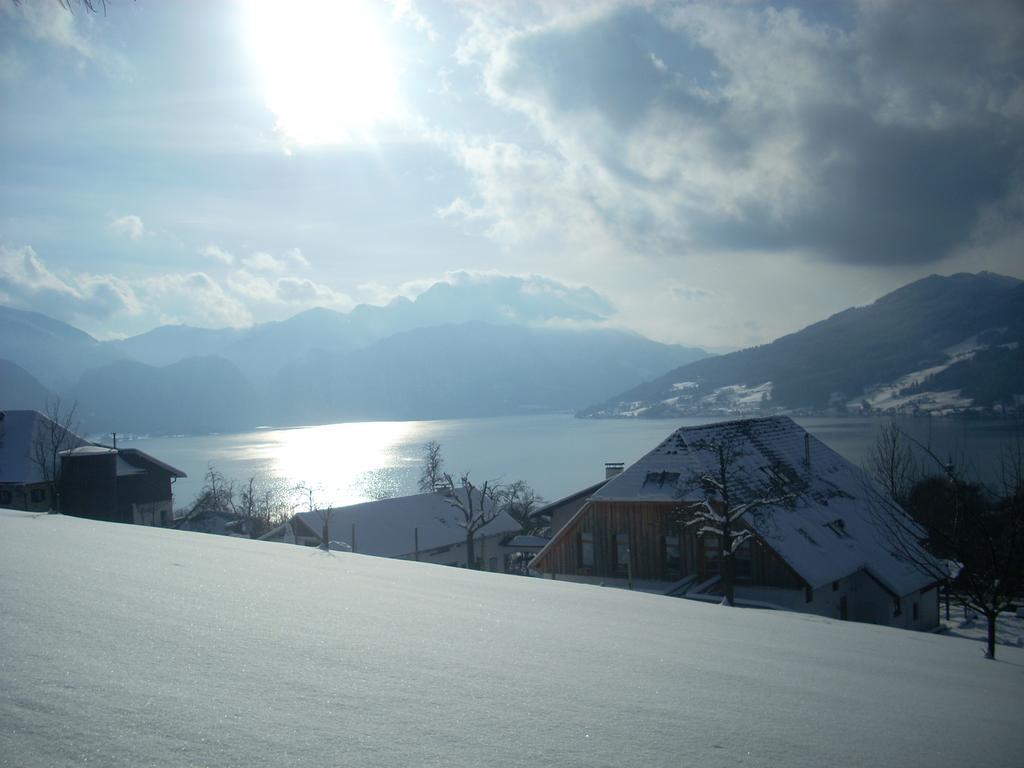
x=463, y=296
x=876, y=134
x=50, y=23
x=218, y=254
x=300, y=291
x=261, y=261
x=26, y=281
x=194, y=298
x=294, y=255
x=690, y=293
x=130, y=226
x=285, y=293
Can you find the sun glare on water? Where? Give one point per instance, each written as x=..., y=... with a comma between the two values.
x=327, y=68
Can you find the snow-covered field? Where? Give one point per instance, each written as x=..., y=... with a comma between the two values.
x=887, y=398
x=128, y=646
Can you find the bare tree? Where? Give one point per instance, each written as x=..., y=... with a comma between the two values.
x=261, y=505
x=326, y=513
x=474, y=508
x=54, y=434
x=721, y=512
x=963, y=533
x=217, y=496
x=891, y=463
x=432, y=475
x=521, y=501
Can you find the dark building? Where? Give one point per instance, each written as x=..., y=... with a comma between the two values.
x=123, y=485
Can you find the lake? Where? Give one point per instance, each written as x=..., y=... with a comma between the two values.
x=557, y=454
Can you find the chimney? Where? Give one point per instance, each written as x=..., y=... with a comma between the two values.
x=807, y=449
x=612, y=468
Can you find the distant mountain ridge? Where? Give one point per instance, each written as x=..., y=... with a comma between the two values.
x=468, y=369
x=940, y=344
x=411, y=359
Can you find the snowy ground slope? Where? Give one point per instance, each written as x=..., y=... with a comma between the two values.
x=124, y=645
x=888, y=398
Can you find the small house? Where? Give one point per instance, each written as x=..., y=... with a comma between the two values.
x=818, y=550
x=123, y=485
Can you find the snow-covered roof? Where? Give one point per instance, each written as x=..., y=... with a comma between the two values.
x=134, y=455
x=19, y=432
x=825, y=532
x=387, y=527
x=130, y=461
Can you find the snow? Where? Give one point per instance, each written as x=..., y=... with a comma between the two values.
x=130, y=646
x=739, y=397
x=973, y=626
x=887, y=398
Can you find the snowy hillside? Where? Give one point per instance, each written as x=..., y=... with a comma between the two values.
x=941, y=345
x=127, y=646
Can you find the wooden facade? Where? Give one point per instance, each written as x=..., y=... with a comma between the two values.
x=649, y=541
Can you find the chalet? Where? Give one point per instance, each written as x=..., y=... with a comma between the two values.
x=419, y=527
x=123, y=485
x=29, y=447
x=816, y=549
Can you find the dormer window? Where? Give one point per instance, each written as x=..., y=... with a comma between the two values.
x=661, y=478
x=838, y=527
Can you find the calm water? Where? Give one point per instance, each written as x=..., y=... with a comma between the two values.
x=557, y=454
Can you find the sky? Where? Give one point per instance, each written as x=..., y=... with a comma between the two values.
x=715, y=174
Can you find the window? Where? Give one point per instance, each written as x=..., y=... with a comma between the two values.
x=673, y=559
x=38, y=494
x=5, y=497
x=587, y=550
x=897, y=609
x=915, y=612
x=835, y=586
x=622, y=553
x=808, y=594
x=661, y=478
x=838, y=527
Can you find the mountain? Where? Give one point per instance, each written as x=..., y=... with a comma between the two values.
x=20, y=390
x=494, y=299
x=171, y=343
x=469, y=369
x=940, y=344
x=53, y=352
x=197, y=395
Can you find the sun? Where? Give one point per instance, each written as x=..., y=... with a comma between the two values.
x=327, y=68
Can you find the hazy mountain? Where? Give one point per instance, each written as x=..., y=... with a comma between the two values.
x=469, y=369
x=496, y=299
x=940, y=344
x=171, y=343
x=200, y=394
x=20, y=390
x=53, y=352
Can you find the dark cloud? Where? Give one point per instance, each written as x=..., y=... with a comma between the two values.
x=880, y=134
